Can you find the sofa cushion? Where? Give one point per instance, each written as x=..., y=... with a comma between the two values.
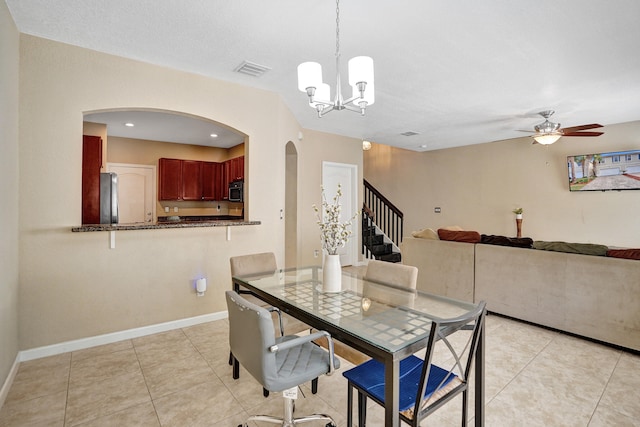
x=573, y=248
x=425, y=233
x=459, y=236
x=453, y=228
x=517, y=242
x=624, y=253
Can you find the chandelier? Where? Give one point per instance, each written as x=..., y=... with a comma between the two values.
x=360, y=80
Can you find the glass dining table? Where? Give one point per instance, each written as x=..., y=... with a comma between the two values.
x=385, y=322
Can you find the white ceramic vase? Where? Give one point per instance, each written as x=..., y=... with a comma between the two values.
x=331, y=274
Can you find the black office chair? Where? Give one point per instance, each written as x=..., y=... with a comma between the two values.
x=278, y=364
x=424, y=387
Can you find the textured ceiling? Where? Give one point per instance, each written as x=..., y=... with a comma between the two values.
x=454, y=72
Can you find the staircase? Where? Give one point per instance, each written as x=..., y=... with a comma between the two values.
x=382, y=225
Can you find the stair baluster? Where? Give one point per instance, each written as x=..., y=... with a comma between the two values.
x=378, y=213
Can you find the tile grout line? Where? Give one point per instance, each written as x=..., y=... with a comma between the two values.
x=604, y=389
x=214, y=373
x=555, y=335
x=66, y=399
x=155, y=410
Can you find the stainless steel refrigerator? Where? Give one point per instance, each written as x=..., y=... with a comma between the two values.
x=108, y=198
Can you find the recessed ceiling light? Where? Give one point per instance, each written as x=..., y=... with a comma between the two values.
x=130, y=125
x=214, y=135
x=423, y=146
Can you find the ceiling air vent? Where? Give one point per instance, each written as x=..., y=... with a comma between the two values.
x=251, y=69
x=409, y=133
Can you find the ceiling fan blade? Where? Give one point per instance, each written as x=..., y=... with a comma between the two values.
x=582, y=133
x=583, y=127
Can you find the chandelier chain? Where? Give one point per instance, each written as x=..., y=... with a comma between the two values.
x=337, y=27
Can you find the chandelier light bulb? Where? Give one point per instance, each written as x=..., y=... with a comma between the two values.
x=360, y=70
x=309, y=75
x=322, y=95
x=369, y=95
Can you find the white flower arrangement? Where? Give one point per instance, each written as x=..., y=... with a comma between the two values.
x=333, y=233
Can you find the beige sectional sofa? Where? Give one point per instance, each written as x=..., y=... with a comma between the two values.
x=444, y=268
x=593, y=296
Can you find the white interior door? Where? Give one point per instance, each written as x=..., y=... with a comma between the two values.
x=347, y=176
x=136, y=192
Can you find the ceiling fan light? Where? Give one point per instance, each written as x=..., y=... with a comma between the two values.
x=547, y=138
x=547, y=127
x=309, y=75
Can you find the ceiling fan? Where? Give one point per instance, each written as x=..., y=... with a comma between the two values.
x=548, y=132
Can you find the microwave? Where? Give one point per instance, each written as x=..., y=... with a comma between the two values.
x=236, y=190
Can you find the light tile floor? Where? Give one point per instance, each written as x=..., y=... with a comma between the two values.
x=534, y=377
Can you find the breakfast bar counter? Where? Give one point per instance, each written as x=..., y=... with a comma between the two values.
x=165, y=224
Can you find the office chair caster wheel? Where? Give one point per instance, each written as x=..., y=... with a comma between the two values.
x=330, y=425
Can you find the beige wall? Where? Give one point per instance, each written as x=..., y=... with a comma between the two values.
x=478, y=186
x=325, y=147
x=9, y=54
x=144, y=152
x=71, y=284
x=234, y=152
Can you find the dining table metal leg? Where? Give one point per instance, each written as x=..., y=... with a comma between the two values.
x=392, y=394
x=479, y=380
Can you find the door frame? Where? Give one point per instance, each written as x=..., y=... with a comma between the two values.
x=154, y=182
x=351, y=248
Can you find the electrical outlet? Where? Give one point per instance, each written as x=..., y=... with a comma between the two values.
x=316, y=253
x=437, y=209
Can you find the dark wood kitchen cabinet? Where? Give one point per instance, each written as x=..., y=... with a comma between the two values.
x=170, y=179
x=191, y=180
x=91, y=164
x=212, y=181
x=236, y=169
x=233, y=170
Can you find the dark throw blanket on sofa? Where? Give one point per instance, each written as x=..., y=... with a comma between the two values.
x=518, y=242
x=573, y=248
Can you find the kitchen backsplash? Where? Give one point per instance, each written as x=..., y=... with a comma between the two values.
x=198, y=208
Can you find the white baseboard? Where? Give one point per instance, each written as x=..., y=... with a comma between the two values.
x=64, y=347
x=4, y=391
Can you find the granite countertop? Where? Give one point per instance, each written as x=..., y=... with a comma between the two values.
x=161, y=224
